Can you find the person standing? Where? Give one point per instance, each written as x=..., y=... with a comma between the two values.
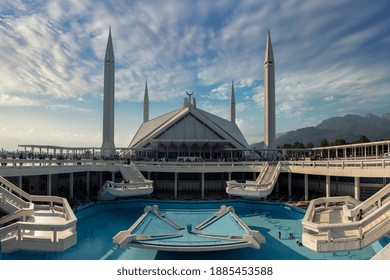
x=360, y=215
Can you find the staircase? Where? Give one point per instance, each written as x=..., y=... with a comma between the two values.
x=262, y=187
x=268, y=174
x=35, y=223
x=131, y=173
x=134, y=184
x=333, y=223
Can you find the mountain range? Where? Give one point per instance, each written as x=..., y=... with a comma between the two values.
x=350, y=128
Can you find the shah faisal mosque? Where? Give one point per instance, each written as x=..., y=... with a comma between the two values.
x=188, y=133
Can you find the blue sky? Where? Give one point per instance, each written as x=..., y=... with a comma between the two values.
x=332, y=58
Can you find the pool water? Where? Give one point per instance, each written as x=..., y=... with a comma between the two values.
x=185, y=233
x=98, y=224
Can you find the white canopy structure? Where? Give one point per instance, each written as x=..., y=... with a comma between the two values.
x=189, y=132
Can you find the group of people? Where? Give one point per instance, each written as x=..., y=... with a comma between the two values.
x=290, y=236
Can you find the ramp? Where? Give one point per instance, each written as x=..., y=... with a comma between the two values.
x=262, y=187
x=334, y=224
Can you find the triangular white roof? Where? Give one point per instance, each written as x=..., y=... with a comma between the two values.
x=149, y=127
x=227, y=126
x=189, y=124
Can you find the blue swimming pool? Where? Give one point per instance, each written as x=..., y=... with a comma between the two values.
x=98, y=224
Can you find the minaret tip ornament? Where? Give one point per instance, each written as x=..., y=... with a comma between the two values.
x=189, y=95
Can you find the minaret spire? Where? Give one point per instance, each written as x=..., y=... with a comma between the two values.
x=269, y=54
x=269, y=96
x=232, y=105
x=146, y=103
x=109, y=48
x=108, y=146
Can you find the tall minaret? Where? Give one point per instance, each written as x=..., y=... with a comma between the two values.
x=146, y=103
x=232, y=105
x=108, y=145
x=269, y=96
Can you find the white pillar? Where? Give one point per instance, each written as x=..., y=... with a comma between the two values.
x=306, y=187
x=49, y=184
x=365, y=152
x=20, y=182
x=327, y=186
x=88, y=182
x=229, y=176
x=357, y=188
x=202, y=185
x=113, y=176
x=70, y=186
x=289, y=185
x=376, y=151
x=175, y=184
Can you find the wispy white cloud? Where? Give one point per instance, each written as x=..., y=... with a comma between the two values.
x=29, y=126
x=251, y=129
x=39, y=60
x=222, y=92
x=51, y=54
x=220, y=110
x=300, y=92
x=240, y=107
x=67, y=107
x=258, y=96
x=329, y=98
x=7, y=100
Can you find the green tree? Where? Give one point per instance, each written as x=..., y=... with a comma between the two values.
x=363, y=139
x=310, y=145
x=287, y=146
x=298, y=145
x=324, y=143
x=339, y=142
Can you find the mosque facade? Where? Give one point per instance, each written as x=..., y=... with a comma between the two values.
x=189, y=133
